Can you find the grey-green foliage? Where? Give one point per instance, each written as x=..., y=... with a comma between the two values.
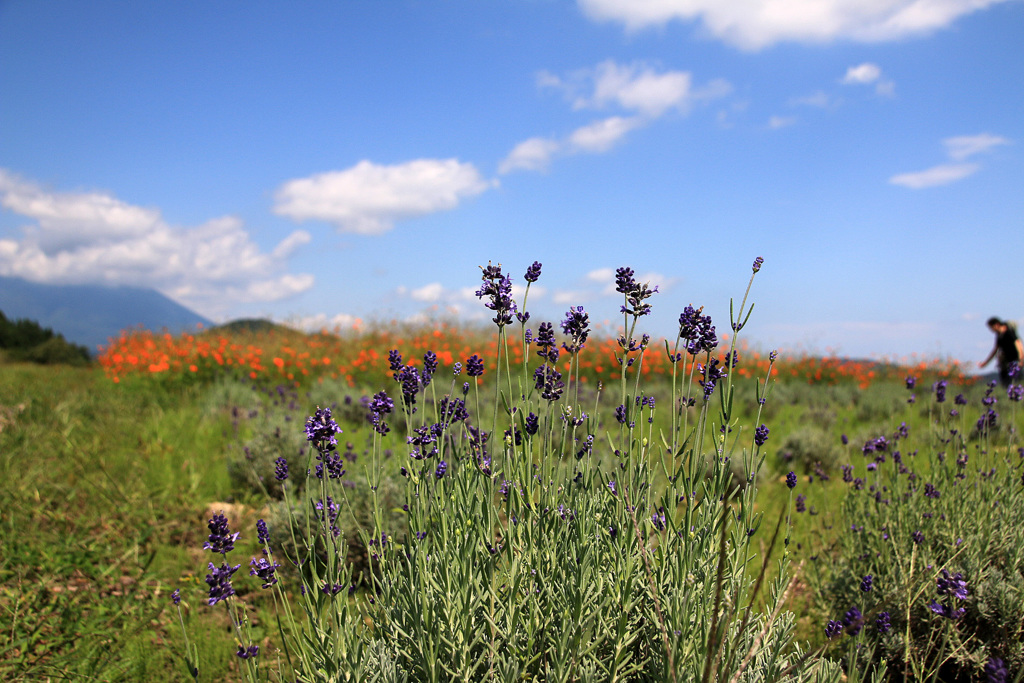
x=607, y=544
x=965, y=498
x=809, y=446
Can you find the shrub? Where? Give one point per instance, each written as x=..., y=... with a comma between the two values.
x=927, y=573
x=542, y=538
x=810, y=448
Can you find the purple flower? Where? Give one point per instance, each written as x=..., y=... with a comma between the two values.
x=321, y=428
x=620, y=414
x=546, y=343
x=380, y=405
x=1015, y=392
x=429, y=367
x=395, y=360
x=532, y=424
x=221, y=540
x=410, y=381
x=833, y=629
x=757, y=263
x=845, y=439
x=761, y=435
x=176, y=596
x=946, y=611
x=498, y=289
x=548, y=381
x=940, y=391
x=442, y=467
x=709, y=377
x=635, y=292
x=853, y=620
x=474, y=366
x=866, y=583
x=954, y=585
x=697, y=331
x=996, y=671
x=801, y=505
x=911, y=381
x=264, y=569
x=219, y=581
x=577, y=326
x=533, y=272
x=960, y=400
x=611, y=487
x=262, y=533
x=624, y=281
x=246, y=653
x=791, y=480
x=917, y=537
x=280, y=469
x=882, y=622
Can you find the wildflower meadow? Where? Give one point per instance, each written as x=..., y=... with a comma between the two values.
x=526, y=500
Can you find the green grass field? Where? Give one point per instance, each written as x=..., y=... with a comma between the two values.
x=105, y=489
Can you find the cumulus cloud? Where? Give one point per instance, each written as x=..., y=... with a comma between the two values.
x=431, y=292
x=93, y=237
x=368, y=198
x=530, y=155
x=757, y=24
x=866, y=74
x=602, y=135
x=959, y=149
x=863, y=73
x=641, y=92
x=636, y=87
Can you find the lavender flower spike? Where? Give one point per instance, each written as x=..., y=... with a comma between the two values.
x=221, y=540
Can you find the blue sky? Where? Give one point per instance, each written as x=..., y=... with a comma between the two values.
x=317, y=162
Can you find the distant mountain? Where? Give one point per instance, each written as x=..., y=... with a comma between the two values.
x=91, y=314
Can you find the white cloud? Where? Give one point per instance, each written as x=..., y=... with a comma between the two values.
x=862, y=74
x=93, y=237
x=942, y=174
x=321, y=321
x=777, y=122
x=431, y=292
x=602, y=135
x=530, y=155
x=866, y=74
x=639, y=90
x=964, y=146
x=959, y=149
x=756, y=24
x=570, y=297
x=601, y=275
x=637, y=87
x=368, y=198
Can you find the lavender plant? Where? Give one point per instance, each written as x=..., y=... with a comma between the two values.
x=927, y=573
x=545, y=539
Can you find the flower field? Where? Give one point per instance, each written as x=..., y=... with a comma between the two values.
x=507, y=503
x=355, y=357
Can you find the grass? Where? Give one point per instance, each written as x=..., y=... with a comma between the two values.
x=104, y=488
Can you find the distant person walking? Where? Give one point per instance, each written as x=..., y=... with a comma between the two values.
x=1008, y=349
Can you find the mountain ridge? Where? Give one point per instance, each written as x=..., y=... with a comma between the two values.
x=91, y=314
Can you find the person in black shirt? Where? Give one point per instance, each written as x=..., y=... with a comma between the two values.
x=1008, y=349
